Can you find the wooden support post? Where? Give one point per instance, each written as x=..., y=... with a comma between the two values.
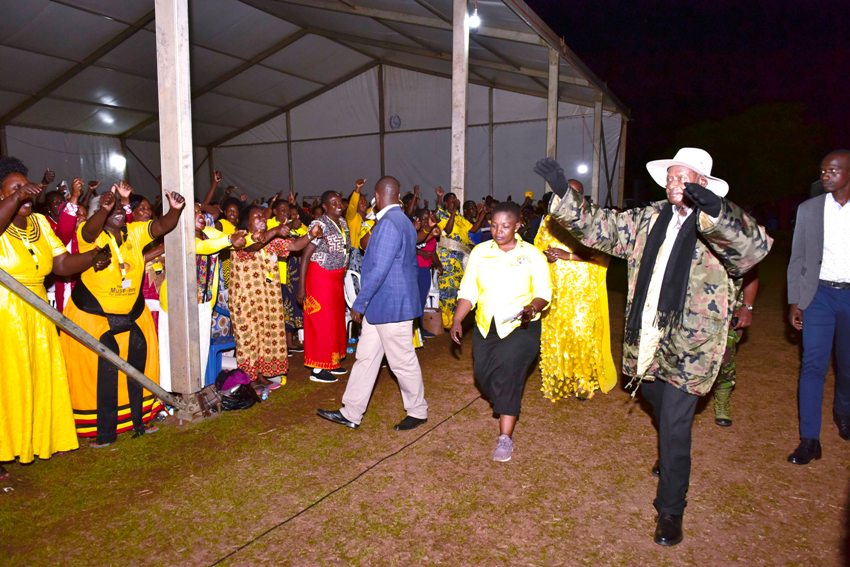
x=289, y=153
x=621, y=159
x=460, y=82
x=382, y=124
x=552, y=110
x=597, y=149
x=175, y=134
x=490, y=139
x=211, y=163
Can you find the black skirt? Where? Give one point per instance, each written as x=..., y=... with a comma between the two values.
x=501, y=365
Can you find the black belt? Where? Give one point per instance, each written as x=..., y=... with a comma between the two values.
x=835, y=285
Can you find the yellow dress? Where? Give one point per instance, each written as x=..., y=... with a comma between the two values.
x=452, y=250
x=575, y=344
x=116, y=292
x=35, y=403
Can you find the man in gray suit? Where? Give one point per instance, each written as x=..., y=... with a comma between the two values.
x=819, y=295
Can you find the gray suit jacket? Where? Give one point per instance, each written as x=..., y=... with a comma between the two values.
x=806, y=252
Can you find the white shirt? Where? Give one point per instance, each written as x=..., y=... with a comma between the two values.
x=835, y=265
x=650, y=335
x=384, y=211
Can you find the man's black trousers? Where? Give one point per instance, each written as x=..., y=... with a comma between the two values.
x=674, y=414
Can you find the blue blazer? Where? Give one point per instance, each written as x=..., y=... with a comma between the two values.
x=389, y=292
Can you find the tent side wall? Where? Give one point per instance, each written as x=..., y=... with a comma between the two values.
x=334, y=138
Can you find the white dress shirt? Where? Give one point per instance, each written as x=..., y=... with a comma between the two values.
x=835, y=265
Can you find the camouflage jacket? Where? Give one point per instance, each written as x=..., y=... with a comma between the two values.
x=689, y=357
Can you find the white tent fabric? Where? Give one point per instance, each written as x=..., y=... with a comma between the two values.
x=280, y=82
x=334, y=164
x=69, y=155
x=349, y=109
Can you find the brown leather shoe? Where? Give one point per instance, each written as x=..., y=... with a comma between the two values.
x=807, y=450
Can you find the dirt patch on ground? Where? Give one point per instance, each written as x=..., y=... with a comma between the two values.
x=277, y=485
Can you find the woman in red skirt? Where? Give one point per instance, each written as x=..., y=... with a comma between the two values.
x=320, y=291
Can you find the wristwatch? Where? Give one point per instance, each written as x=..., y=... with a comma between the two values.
x=749, y=306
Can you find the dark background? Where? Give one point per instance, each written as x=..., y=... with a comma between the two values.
x=763, y=86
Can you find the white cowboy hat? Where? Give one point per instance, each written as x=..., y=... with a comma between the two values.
x=692, y=158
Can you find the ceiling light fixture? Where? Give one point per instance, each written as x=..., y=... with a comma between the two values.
x=474, y=19
x=117, y=162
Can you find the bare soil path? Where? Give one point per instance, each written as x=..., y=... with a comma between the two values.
x=277, y=485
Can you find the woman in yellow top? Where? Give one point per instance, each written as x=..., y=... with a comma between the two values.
x=35, y=403
x=575, y=347
x=509, y=281
x=452, y=250
x=110, y=306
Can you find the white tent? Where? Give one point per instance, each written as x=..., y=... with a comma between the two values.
x=304, y=93
x=309, y=94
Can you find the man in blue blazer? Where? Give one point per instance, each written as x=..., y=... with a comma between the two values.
x=819, y=298
x=387, y=304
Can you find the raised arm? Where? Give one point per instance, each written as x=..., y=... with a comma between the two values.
x=166, y=223
x=94, y=226
x=10, y=205
x=216, y=179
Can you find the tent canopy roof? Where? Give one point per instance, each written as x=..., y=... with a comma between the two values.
x=89, y=66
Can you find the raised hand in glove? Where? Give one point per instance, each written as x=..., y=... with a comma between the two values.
x=703, y=199
x=553, y=173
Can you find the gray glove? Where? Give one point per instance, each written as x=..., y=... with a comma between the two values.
x=548, y=169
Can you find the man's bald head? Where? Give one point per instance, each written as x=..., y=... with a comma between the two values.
x=388, y=185
x=386, y=192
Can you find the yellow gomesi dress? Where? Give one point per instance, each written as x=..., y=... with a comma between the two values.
x=117, y=293
x=35, y=402
x=575, y=344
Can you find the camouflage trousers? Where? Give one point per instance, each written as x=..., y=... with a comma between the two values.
x=725, y=382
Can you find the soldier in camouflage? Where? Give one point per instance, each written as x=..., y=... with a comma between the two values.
x=728, y=374
x=685, y=258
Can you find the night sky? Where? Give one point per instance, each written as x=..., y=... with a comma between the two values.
x=733, y=77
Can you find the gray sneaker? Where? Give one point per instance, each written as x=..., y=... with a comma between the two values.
x=504, y=449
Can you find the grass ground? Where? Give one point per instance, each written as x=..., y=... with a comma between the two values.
x=277, y=485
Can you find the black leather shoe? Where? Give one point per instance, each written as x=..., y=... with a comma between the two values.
x=337, y=417
x=668, y=530
x=656, y=470
x=409, y=422
x=807, y=450
x=843, y=423
x=723, y=422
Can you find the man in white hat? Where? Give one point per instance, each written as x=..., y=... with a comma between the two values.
x=685, y=258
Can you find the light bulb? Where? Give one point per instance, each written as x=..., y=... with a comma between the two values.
x=474, y=19
x=582, y=168
x=117, y=162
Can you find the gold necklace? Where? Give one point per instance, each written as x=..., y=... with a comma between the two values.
x=27, y=236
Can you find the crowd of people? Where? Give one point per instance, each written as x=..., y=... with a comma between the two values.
x=284, y=277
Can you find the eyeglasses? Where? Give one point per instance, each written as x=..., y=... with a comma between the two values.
x=831, y=171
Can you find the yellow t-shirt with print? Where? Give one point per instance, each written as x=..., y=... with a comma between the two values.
x=117, y=289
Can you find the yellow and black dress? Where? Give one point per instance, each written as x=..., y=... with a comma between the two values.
x=575, y=345
x=109, y=305
x=35, y=404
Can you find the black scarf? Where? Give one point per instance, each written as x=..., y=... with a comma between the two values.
x=674, y=286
